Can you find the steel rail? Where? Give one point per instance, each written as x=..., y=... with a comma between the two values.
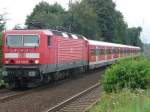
x=73, y=98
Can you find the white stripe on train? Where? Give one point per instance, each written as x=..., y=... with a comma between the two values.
x=27, y=55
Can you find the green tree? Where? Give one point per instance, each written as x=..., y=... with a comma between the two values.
x=95, y=19
x=83, y=20
x=2, y=25
x=2, y=22
x=45, y=16
x=120, y=35
x=105, y=10
x=133, y=36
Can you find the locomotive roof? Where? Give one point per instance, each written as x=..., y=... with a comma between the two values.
x=28, y=31
x=47, y=32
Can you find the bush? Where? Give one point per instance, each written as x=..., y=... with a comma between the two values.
x=127, y=73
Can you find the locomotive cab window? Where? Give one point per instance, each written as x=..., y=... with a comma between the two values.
x=30, y=40
x=14, y=41
x=22, y=41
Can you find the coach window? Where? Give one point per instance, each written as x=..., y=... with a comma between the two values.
x=113, y=51
x=121, y=51
x=116, y=51
x=93, y=52
x=48, y=40
x=97, y=52
x=107, y=51
x=126, y=51
x=110, y=51
x=102, y=51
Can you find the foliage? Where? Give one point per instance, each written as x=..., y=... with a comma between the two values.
x=45, y=16
x=125, y=101
x=128, y=73
x=105, y=10
x=2, y=26
x=83, y=20
x=132, y=34
x=95, y=19
x=2, y=22
x=112, y=25
x=120, y=33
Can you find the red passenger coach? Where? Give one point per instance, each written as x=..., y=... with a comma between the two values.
x=104, y=53
x=30, y=55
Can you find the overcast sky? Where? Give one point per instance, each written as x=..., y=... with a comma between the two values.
x=135, y=12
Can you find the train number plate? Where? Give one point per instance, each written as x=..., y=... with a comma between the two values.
x=22, y=55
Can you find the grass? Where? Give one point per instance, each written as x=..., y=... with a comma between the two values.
x=124, y=101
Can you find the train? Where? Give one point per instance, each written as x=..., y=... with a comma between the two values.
x=33, y=57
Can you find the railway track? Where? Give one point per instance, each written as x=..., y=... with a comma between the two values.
x=79, y=102
x=9, y=95
x=3, y=90
x=6, y=95
x=41, y=98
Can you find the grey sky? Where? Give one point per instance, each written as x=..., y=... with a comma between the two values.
x=134, y=11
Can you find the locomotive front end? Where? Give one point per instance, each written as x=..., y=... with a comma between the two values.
x=21, y=58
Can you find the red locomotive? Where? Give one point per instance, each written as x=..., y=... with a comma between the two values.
x=32, y=57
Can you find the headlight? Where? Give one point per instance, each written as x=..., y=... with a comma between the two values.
x=36, y=61
x=4, y=73
x=32, y=74
x=6, y=62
